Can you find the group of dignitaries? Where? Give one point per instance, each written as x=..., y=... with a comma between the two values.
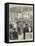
x=19, y=29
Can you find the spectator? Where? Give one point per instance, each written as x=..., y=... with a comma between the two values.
x=18, y=27
x=15, y=35
x=26, y=29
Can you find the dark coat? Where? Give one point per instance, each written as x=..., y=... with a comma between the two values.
x=26, y=29
x=15, y=35
x=18, y=29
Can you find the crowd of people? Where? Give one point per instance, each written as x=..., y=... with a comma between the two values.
x=17, y=29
